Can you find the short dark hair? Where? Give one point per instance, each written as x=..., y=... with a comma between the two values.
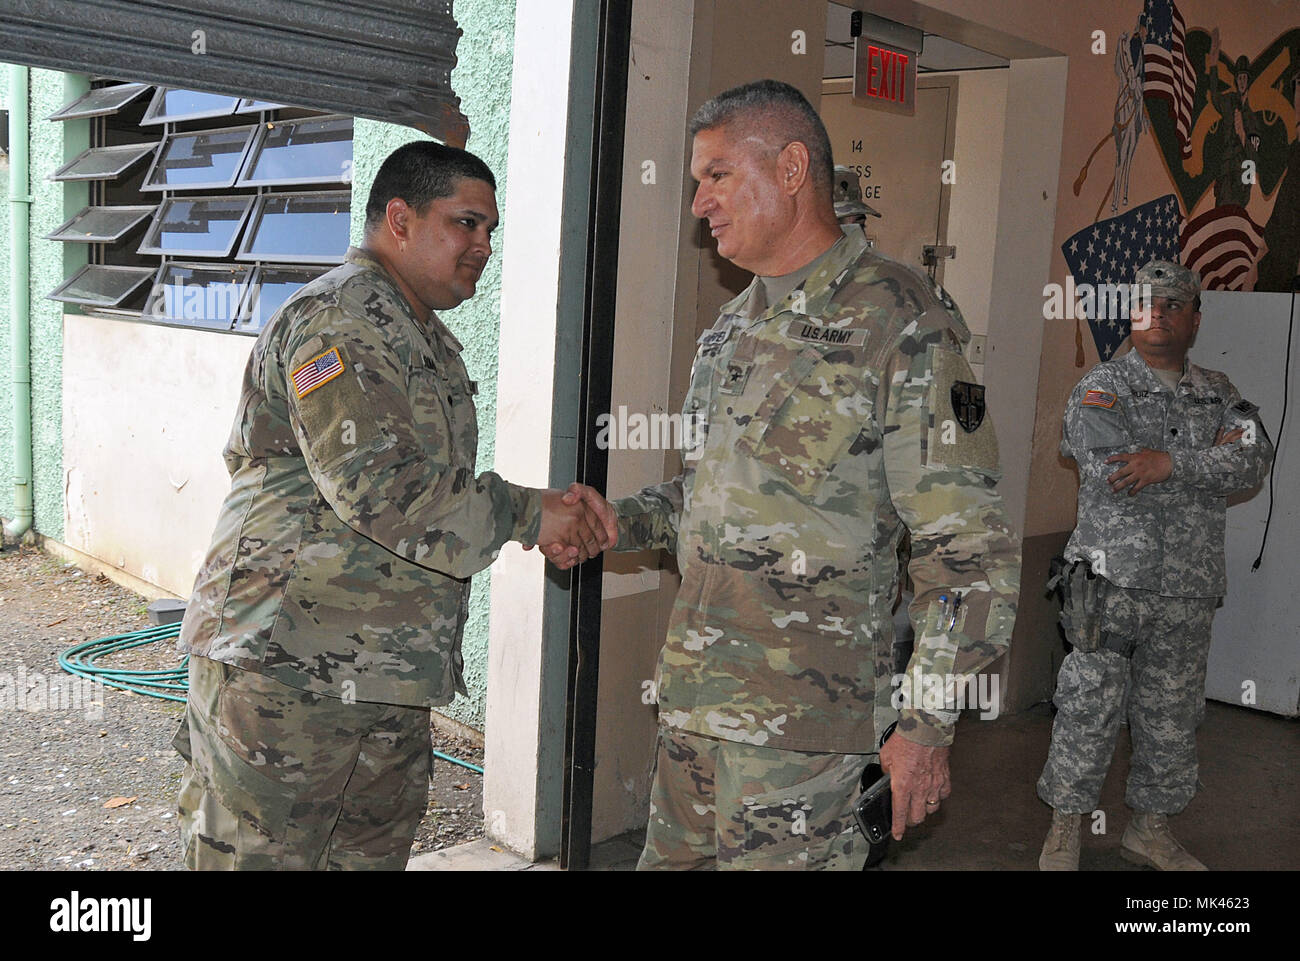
x=420, y=172
x=780, y=114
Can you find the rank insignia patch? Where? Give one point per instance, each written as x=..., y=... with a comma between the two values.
x=1098, y=398
x=320, y=370
x=968, y=404
x=733, y=381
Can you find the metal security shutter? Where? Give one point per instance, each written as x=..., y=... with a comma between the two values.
x=388, y=60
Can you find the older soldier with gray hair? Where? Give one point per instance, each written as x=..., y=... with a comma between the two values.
x=327, y=617
x=827, y=396
x=1160, y=443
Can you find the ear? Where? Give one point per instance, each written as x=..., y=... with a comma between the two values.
x=397, y=217
x=792, y=167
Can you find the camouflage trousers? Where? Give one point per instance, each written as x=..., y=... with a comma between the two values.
x=1161, y=689
x=725, y=805
x=282, y=779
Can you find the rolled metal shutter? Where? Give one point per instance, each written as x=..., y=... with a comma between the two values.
x=388, y=60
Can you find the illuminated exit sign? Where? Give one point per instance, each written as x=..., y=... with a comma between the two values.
x=884, y=75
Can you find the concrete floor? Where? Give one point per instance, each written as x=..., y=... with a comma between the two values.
x=1245, y=817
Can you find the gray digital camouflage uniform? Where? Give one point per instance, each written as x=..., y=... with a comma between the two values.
x=827, y=425
x=1160, y=556
x=341, y=560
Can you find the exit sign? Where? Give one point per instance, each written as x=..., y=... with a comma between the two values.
x=884, y=75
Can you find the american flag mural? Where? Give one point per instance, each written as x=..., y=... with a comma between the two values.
x=1169, y=75
x=1111, y=251
x=1222, y=246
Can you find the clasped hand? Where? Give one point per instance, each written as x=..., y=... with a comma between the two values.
x=577, y=524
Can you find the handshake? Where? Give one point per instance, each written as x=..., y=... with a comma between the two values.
x=577, y=524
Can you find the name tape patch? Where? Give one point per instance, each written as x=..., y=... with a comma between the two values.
x=318, y=371
x=818, y=334
x=1098, y=398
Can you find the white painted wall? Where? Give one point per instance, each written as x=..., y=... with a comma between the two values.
x=530, y=286
x=146, y=414
x=973, y=204
x=1257, y=631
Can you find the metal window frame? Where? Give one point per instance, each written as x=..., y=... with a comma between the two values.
x=150, y=315
x=141, y=212
x=61, y=174
x=144, y=247
x=151, y=117
x=255, y=291
x=144, y=274
x=69, y=112
x=248, y=105
x=171, y=138
x=255, y=223
x=259, y=143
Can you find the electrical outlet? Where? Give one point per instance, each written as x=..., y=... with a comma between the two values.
x=976, y=350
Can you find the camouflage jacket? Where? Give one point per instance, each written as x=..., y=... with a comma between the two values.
x=828, y=427
x=342, y=554
x=1169, y=536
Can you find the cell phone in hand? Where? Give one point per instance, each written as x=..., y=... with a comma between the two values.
x=874, y=813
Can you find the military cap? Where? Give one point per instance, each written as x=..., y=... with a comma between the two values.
x=1169, y=280
x=847, y=195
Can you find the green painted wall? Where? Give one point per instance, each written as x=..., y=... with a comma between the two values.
x=51, y=144
x=482, y=81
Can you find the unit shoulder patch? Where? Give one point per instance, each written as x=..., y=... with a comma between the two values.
x=968, y=404
x=1245, y=407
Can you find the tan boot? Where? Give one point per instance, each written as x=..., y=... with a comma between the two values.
x=1148, y=840
x=1061, y=849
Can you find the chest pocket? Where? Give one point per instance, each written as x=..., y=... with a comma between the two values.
x=805, y=423
x=442, y=407
x=1203, y=421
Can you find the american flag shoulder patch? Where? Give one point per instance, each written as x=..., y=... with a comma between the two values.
x=320, y=370
x=1098, y=398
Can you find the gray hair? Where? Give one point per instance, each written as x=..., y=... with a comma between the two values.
x=780, y=115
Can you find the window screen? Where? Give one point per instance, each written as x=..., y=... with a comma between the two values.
x=102, y=224
x=103, y=163
x=100, y=102
x=100, y=285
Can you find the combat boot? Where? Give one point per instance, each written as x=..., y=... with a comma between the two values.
x=1061, y=849
x=1148, y=840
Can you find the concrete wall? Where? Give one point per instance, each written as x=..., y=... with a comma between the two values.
x=145, y=480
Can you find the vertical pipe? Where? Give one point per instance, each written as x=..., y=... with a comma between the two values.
x=20, y=300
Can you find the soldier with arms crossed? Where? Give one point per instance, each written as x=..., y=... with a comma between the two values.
x=1160, y=443
x=327, y=617
x=824, y=397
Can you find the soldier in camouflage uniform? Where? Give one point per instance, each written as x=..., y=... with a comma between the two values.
x=824, y=399
x=327, y=616
x=1160, y=443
